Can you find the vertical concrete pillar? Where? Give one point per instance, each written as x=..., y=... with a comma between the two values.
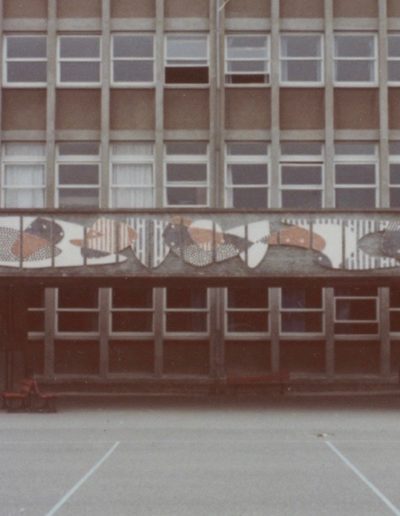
x=275, y=107
x=105, y=105
x=383, y=180
x=384, y=330
x=104, y=330
x=51, y=103
x=50, y=315
x=274, y=328
x=329, y=302
x=159, y=108
x=329, y=191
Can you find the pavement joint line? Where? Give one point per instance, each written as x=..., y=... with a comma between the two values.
x=362, y=477
x=68, y=495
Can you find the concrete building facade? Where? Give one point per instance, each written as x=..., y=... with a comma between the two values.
x=250, y=148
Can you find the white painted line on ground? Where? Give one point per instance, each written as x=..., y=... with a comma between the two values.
x=355, y=470
x=82, y=480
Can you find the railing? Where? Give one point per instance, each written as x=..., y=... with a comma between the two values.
x=228, y=243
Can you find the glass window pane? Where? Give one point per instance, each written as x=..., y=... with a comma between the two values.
x=187, y=196
x=394, y=71
x=24, y=175
x=394, y=46
x=252, y=198
x=70, y=297
x=356, y=310
x=188, y=322
x=132, y=297
x=78, y=322
x=301, y=46
x=394, y=298
x=132, y=46
x=354, y=46
x=79, y=47
x=131, y=149
x=25, y=149
x=24, y=198
x=301, y=298
x=245, y=174
x=79, y=149
x=133, y=71
x=30, y=71
x=395, y=174
x=182, y=46
x=132, y=174
x=251, y=67
x=247, y=298
x=186, y=298
x=132, y=322
x=355, y=148
x=348, y=198
x=307, y=200
x=247, y=322
x=301, y=175
x=303, y=322
x=186, y=148
x=394, y=148
x=78, y=198
x=247, y=149
x=187, y=172
x=301, y=71
x=356, y=291
x=355, y=174
x=301, y=148
x=246, y=47
x=395, y=197
x=78, y=174
x=26, y=46
x=355, y=71
x=86, y=71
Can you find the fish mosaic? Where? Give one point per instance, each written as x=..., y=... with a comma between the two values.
x=336, y=243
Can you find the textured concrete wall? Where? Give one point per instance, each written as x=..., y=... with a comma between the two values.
x=393, y=8
x=132, y=109
x=248, y=109
x=394, y=108
x=186, y=109
x=248, y=8
x=355, y=8
x=133, y=8
x=303, y=9
x=78, y=109
x=25, y=8
x=79, y=9
x=183, y=9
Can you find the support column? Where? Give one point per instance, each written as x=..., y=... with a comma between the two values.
x=105, y=105
x=274, y=319
x=49, y=331
x=51, y=103
x=329, y=333
x=104, y=329
x=275, y=107
x=384, y=179
x=158, y=331
x=159, y=108
x=384, y=330
x=329, y=190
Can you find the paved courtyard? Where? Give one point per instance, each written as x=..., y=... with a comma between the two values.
x=303, y=456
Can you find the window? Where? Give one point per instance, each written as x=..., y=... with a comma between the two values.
x=355, y=59
x=79, y=60
x=132, y=310
x=132, y=59
x=301, y=175
x=394, y=310
x=77, y=310
x=36, y=310
x=25, y=62
x=246, y=175
x=247, y=310
x=78, y=175
x=186, y=174
x=186, y=59
x=301, y=58
x=394, y=59
x=394, y=180
x=132, y=175
x=356, y=175
x=186, y=310
x=356, y=311
x=23, y=175
x=301, y=310
x=247, y=59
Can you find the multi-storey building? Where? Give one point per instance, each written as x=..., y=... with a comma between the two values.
x=197, y=189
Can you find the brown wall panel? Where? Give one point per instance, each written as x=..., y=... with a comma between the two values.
x=79, y=9
x=186, y=109
x=245, y=357
x=24, y=110
x=302, y=108
x=247, y=108
x=78, y=109
x=248, y=9
x=25, y=8
x=132, y=109
x=393, y=8
x=133, y=8
x=357, y=357
x=183, y=8
x=394, y=108
x=356, y=108
x=303, y=9
x=302, y=356
x=355, y=8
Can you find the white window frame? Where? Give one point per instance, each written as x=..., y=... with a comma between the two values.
x=76, y=159
x=246, y=334
x=394, y=159
x=133, y=311
x=178, y=334
x=302, y=160
x=297, y=334
x=132, y=84
x=283, y=58
x=188, y=159
x=266, y=60
x=353, y=336
x=60, y=60
x=374, y=58
x=59, y=333
x=187, y=65
x=22, y=160
x=358, y=159
x=131, y=159
x=395, y=310
x=6, y=60
x=394, y=59
x=246, y=159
